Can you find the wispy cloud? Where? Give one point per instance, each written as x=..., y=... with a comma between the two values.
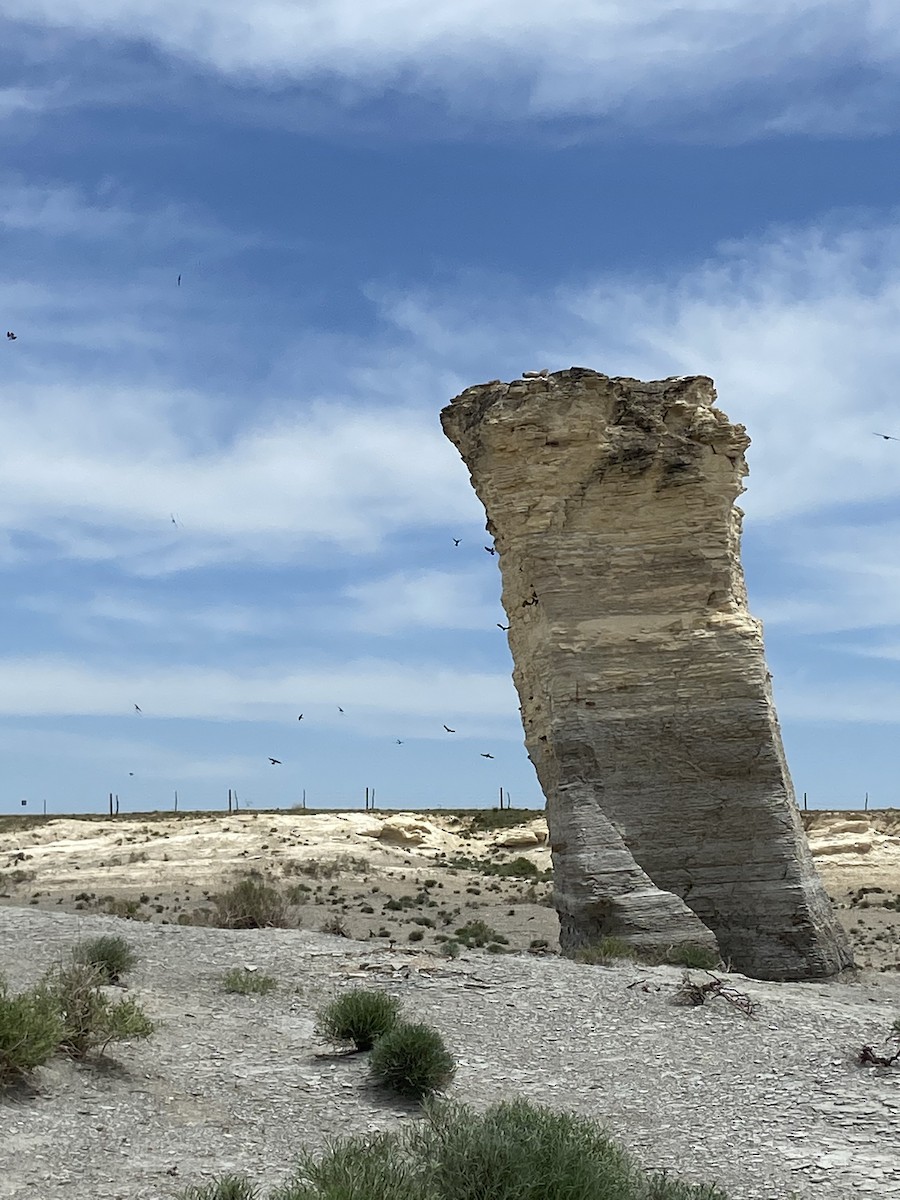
x=374, y=693
x=789, y=61
x=429, y=599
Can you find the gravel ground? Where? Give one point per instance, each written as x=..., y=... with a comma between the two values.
x=767, y=1107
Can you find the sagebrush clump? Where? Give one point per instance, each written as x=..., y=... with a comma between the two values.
x=90, y=1019
x=250, y=904
x=30, y=1032
x=360, y=1017
x=512, y=1151
x=110, y=954
x=412, y=1060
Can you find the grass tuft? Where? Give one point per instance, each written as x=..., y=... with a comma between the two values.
x=248, y=983
x=250, y=904
x=412, y=1060
x=110, y=954
x=359, y=1016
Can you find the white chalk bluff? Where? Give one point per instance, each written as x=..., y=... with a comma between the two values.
x=641, y=675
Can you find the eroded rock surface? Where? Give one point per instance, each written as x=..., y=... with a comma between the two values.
x=641, y=675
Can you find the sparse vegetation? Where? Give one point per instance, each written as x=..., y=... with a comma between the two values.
x=110, y=954
x=244, y=982
x=499, y=818
x=90, y=1020
x=30, y=1032
x=412, y=1060
x=250, y=904
x=226, y=1187
x=689, y=954
x=605, y=952
x=361, y=1016
x=478, y=933
x=512, y=1151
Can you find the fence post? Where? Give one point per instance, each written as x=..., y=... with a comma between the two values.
x=804, y=801
x=110, y=804
x=866, y=805
x=176, y=800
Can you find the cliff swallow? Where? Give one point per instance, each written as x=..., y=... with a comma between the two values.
x=10, y=335
x=456, y=541
x=276, y=762
x=136, y=709
x=300, y=718
x=179, y=281
x=449, y=730
x=503, y=627
x=887, y=436
x=340, y=709
x=397, y=740
x=487, y=756
x=491, y=549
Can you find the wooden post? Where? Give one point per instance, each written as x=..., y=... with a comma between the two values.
x=176, y=800
x=373, y=799
x=303, y=801
x=866, y=805
x=236, y=804
x=117, y=803
x=45, y=808
x=804, y=801
x=110, y=804
x=229, y=799
x=367, y=799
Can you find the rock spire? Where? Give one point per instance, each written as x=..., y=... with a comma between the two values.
x=641, y=675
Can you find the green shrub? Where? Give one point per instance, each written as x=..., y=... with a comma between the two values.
x=605, y=952
x=110, y=954
x=226, y=1187
x=359, y=1016
x=377, y=1168
x=689, y=954
x=513, y=1151
x=30, y=1033
x=250, y=904
x=90, y=1020
x=412, y=1060
x=248, y=983
x=479, y=933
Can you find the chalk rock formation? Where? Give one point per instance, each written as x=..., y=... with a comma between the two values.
x=641, y=675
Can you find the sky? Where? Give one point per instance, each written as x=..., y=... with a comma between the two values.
x=249, y=251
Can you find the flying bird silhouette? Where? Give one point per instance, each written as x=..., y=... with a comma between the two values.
x=449, y=730
x=487, y=756
x=491, y=549
x=136, y=709
x=174, y=522
x=887, y=436
x=10, y=335
x=456, y=541
x=503, y=627
x=300, y=718
x=399, y=743
x=179, y=281
x=340, y=709
x=276, y=762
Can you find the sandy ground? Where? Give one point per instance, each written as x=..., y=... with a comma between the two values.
x=395, y=877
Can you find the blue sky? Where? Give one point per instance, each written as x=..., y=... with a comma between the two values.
x=373, y=206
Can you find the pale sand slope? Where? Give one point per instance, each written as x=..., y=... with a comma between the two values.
x=385, y=874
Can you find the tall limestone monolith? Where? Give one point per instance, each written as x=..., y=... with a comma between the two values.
x=641, y=675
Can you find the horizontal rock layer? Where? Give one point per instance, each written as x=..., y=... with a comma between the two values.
x=641, y=675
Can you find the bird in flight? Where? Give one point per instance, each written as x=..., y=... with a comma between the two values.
x=487, y=756
x=174, y=522
x=136, y=708
x=300, y=718
x=340, y=709
x=276, y=762
x=399, y=743
x=449, y=730
x=887, y=436
x=491, y=549
x=179, y=281
x=503, y=627
x=456, y=541
x=10, y=335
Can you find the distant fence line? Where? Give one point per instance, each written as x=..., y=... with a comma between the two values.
x=233, y=804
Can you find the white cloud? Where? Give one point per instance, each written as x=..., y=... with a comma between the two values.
x=374, y=693
x=425, y=599
x=518, y=57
